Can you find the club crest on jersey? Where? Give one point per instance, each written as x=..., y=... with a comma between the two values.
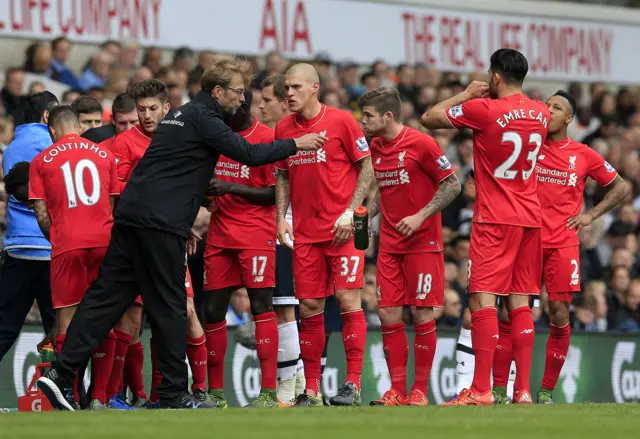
x=608, y=167
x=572, y=163
x=362, y=144
x=401, y=159
x=444, y=163
x=456, y=111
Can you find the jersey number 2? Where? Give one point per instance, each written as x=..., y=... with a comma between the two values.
x=74, y=183
x=504, y=171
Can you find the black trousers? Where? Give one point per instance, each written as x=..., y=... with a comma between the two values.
x=23, y=281
x=138, y=261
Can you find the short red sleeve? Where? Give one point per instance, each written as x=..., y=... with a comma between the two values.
x=599, y=169
x=355, y=144
x=433, y=160
x=472, y=114
x=267, y=175
x=36, y=183
x=114, y=181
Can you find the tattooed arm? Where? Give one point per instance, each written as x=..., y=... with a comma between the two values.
x=282, y=204
x=365, y=177
x=374, y=205
x=42, y=215
x=448, y=190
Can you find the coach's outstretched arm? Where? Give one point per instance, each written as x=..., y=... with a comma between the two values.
x=436, y=117
x=260, y=196
x=221, y=138
x=617, y=191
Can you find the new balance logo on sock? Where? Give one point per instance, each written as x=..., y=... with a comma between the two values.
x=305, y=342
x=200, y=363
x=527, y=331
x=211, y=353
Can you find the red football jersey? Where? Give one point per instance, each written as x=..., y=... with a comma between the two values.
x=75, y=177
x=237, y=223
x=322, y=182
x=563, y=168
x=409, y=170
x=128, y=148
x=507, y=135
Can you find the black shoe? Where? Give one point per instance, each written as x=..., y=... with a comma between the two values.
x=188, y=401
x=58, y=391
x=348, y=395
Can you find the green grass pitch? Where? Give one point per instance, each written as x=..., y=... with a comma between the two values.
x=581, y=421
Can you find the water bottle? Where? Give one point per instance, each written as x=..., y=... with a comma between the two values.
x=47, y=355
x=361, y=223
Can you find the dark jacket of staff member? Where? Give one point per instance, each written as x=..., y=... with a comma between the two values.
x=147, y=252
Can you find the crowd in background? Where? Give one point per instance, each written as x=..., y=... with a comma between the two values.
x=607, y=121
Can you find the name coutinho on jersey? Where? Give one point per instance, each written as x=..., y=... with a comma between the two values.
x=519, y=114
x=53, y=151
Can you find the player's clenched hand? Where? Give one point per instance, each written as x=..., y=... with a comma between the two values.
x=343, y=228
x=192, y=242
x=310, y=142
x=477, y=89
x=408, y=225
x=284, y=229
x=579, y=221
x=218, y=187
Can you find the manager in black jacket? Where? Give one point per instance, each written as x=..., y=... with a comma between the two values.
x=147, y=252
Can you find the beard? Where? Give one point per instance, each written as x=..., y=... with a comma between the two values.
x=493, y=90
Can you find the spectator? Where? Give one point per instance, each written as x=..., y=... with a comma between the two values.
x=625, y=106
x=36, y=87
x=451, y=310
x=591, y=308
x=111, y=47
x=369, y=81
x=381, y=70
x=61, y=48
x=322, y=63
x=348, y=76
x=117, y=83
x=176, y=96
x=11, y=94
x=405, y=83
x=128, y=56
x=96, y=93
x=96, y=74
x=90, y=112
x=152, y=59
x=627, y=317
x=275, y=65
x=38, y=59
x=205, y=59
x=183, y=59
x=193, y=83
x=69, y=96
x=142, y=73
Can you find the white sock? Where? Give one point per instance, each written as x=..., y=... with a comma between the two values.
x=288, y=358
x=512, y=380
x=465, y=360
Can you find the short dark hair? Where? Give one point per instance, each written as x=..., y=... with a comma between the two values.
x=366, y=76
x=383, y=99
x=16, y=177
x=63, y=114
x=11, y=70
x=150, y=88
x=87, y=105
x=57, y=41
x=511, y=64
x=122, y=104
x=72, y=90
x=569, y=98
x=277, y=82
x=38, y=103
x=106, y=43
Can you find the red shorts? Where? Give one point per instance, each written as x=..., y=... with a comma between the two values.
x=187, y=284
x=320, y=268
x=561, y=272
x=71, y=274
x=224, y=268
x=505, y=259
x=415, y=279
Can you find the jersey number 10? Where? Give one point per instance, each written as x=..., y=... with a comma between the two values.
x=74, y=183
x=504, y=171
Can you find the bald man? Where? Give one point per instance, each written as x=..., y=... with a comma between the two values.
x=324, y=187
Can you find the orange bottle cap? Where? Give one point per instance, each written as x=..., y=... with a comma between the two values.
x=360, y=210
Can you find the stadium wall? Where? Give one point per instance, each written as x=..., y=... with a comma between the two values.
x=599, y=368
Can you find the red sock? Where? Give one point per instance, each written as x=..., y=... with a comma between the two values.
x=503, y=356
x=267, y=347
x=122, y=346
x=217, y=348
x=557, y=349
x=354, y=336
x=197, y=355
x=60, y=342
x=134, y=364
x=101, y=367
x=424, y=349
x=156, y=377
x=484, y=337
x=396, y=352
x=312, y=341
x=522, y=336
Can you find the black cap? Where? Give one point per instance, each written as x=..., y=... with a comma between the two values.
x=347, y=65
x=323, y=58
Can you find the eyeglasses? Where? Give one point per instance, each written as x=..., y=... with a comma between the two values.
x=238, y=91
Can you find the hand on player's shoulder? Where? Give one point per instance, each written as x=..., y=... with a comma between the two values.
x=311, y=141
x=477, y=89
